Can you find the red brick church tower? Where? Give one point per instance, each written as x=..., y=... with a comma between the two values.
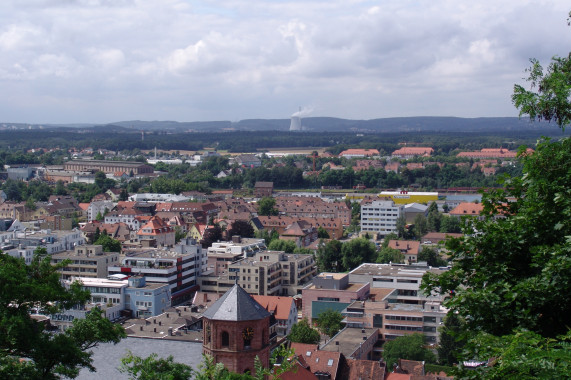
x=235, y=330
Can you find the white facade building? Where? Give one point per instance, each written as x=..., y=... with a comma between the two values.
x=380, y=217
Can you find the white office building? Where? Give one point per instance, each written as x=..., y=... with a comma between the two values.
x=380, y=217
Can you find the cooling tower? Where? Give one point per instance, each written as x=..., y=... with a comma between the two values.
x=295, y=123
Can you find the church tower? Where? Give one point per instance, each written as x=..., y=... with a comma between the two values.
x=236, y=329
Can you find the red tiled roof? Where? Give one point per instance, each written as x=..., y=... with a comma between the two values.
x=413, y=150
x=411, y=247
x=466, y=208
x=278, y=306
x=359, y=152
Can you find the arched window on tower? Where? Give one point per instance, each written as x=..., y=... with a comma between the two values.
x=225, y=339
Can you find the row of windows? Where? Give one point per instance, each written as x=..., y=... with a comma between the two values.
x=403, y=318
x=404, y=328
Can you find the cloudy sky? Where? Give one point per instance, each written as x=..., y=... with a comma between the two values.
x=100, y=61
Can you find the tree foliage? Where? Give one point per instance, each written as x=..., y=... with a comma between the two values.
x=390, y=255
x=241, y=228
x=431, y=256
x=302, y=332
x=329, y=256
x=357, y=251
x=329, y=322
x=287, y=246
x=108, y=243
x=153, y=367
x=409, y=347
x=452, y=340
x=267, y=207
x=511, y=273
x=48, y=355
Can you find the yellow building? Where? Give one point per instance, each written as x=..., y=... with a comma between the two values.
x=404, y=197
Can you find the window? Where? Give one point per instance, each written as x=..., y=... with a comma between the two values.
x=378, y=320
x=225, y=339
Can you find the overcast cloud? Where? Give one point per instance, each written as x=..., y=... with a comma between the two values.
x=109, y=60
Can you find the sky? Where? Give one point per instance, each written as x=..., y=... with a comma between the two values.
x=99, y=61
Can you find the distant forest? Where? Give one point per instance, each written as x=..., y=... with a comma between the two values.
x=121, y=140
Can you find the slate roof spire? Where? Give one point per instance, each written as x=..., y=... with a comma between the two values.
x=236, y=305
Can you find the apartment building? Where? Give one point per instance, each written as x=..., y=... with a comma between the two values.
x=88, y=261
x=222, y=254
x=268, y=273
x=397, y=306
x=380, y=217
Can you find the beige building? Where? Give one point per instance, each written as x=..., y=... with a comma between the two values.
x=268, y=273
x=86, y=261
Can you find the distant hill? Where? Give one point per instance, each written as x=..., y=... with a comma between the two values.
x=314, y=124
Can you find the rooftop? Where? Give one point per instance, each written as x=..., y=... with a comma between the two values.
x=348, y=340
x=236, y=305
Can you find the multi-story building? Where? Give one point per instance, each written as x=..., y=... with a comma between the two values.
x=331, y=291
x=146, y=299
x=88, y=261
x=313, y=207
x=221, y=254
x=380, y=217
x=156, y=233
x=398, y=303
x=108, y=166
x=101, y=208
x=269, y=273
x=179, y=267
x=23, y=243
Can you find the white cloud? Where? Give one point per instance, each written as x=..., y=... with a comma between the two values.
x=262, y=58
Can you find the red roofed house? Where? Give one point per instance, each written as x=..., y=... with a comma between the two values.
x=359, y=153
x=323, y=364
x=467, y=209
x=156, y=233
x=283, y=309
x=412, y=151
x=409, y=248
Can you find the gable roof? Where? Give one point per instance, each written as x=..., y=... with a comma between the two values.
x=236, y=305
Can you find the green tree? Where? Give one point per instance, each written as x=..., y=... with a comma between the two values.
x=267, y=235
x=154, y=368
x=329, y=322
x=287, y=246
x=420, y=226
x=522, y=355
x=409, y=347
x=390, y=255
x=109, y=244
x=100, y=178
x=322, y=233
x=302, y=332
x=48, y=355
x=450, y=224
x=452, y=340
x=267, y=206
x=357, y=251
x=241, y=228
x=329, y=257
x=431, y=256
x=510, y=272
